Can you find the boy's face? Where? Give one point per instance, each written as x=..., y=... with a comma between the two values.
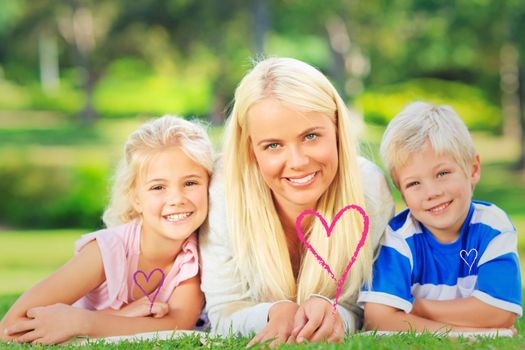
x=437, y=191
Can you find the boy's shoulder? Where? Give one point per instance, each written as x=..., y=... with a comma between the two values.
x=404, y=225
x=491, y=215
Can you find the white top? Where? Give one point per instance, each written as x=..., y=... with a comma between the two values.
x=220, y=282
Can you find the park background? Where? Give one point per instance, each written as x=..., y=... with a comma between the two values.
x=77, y=76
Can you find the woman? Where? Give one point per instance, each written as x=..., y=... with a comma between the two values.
x=289, y=146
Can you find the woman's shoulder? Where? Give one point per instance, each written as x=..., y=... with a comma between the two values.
x=379, y=202
x=369, y=168
x=375, y=184
x=216, y=188
x=214, y=229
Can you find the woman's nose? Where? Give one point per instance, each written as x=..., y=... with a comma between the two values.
x=297, y=158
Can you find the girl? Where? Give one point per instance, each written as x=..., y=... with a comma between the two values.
x=289, y=147
x=145, y=263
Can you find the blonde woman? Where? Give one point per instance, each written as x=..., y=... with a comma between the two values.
x=289, y=146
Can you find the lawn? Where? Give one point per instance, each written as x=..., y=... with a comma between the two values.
x=28, y=256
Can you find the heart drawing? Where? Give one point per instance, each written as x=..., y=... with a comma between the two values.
x=157, y=290
x=339, y=282
x=464, y=256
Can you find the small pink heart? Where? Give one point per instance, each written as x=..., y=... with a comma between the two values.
x=157, y=290
x=340, y=282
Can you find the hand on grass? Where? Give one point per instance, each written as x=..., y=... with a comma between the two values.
x=52, y=324
x=316, y=321
x=279, y=326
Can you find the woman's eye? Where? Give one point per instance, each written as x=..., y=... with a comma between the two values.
x=156, y=188
x=443, y=173
x=190, y=183
x=271, y=146
x=311, y=136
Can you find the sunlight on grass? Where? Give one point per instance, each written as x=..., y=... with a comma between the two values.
x=28, y=256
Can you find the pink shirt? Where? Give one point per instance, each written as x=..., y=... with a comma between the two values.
x=120, y=249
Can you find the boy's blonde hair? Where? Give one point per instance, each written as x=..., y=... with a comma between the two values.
x=258, y=239
x=150, y=138
x=422, y=122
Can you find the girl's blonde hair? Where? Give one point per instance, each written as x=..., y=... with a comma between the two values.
x=258, y=239
x=152, y=137
x=419, y=123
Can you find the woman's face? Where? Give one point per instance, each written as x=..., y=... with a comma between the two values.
x=296, y=152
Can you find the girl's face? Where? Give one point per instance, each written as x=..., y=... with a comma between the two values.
x=172, y=195
x=296, y=152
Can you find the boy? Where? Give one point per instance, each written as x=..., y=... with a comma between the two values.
x=447, y=262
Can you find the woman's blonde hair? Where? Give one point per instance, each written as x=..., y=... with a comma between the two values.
x=258, y=239
x=419, y=123
x=152, y=137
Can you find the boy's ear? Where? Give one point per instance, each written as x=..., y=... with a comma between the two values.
x=475, y=170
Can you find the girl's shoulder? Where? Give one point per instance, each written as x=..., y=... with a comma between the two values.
x=124, y=236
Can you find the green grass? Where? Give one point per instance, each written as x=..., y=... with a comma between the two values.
x=401, y=341
x=28, y=256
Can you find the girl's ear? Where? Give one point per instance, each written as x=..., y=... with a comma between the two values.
x=475, y=170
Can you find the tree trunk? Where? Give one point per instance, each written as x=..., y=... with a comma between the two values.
x=48, y=58
x=339, y=49
x=84, y=39
x=509, y=84
x=520, y=165
x=261, y=23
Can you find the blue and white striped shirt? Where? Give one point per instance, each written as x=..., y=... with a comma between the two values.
x=483, y=262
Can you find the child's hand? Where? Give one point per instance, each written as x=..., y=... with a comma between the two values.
x=48, y=324
x=141, y=308
x=316, y=321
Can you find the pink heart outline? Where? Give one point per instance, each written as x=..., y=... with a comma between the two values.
x=340, y=282
x=157, y=290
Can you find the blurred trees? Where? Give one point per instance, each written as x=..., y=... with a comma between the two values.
x=199, y=50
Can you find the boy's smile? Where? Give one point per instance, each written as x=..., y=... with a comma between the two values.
x=437, y=191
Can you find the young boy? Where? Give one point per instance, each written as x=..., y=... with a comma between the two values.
x=447, y=262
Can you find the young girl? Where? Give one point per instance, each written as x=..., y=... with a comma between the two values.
x=141, y=273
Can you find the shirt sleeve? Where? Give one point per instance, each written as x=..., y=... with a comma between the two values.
x=228, y=303
x=113, y=291
x=392, y=275
x=499, y=276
